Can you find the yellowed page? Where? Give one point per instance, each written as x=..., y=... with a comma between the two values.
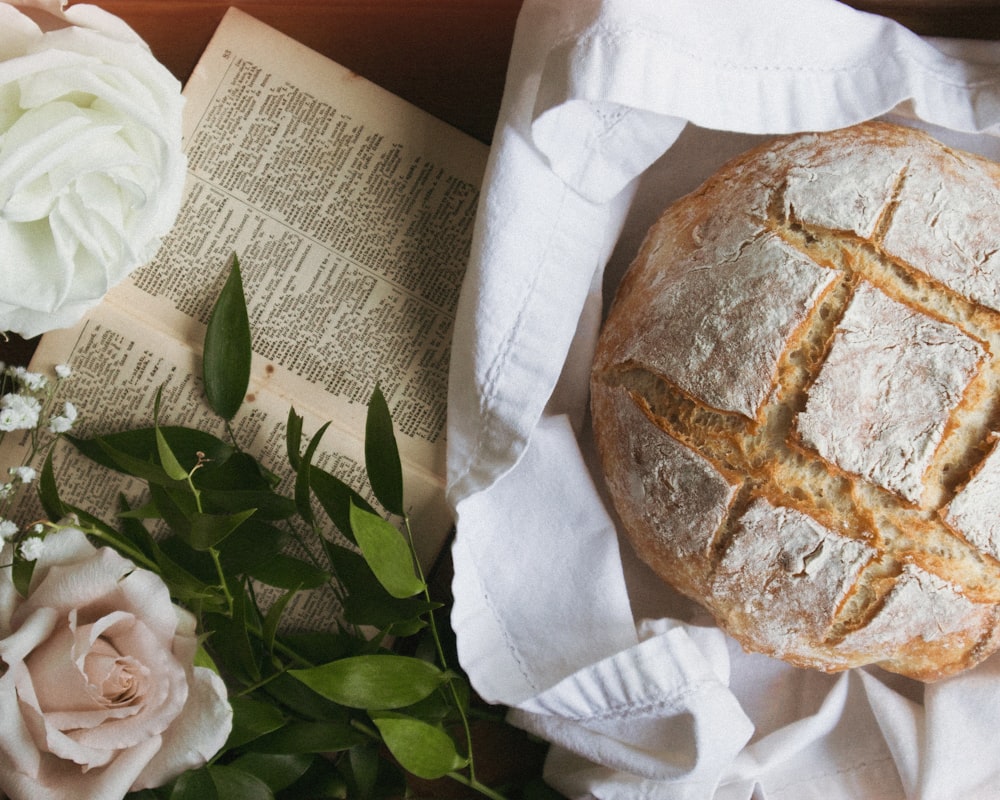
x=351, y=212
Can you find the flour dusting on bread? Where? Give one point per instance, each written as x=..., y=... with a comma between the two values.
x=795, y=399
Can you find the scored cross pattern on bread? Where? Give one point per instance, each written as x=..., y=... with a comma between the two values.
x=795, y=393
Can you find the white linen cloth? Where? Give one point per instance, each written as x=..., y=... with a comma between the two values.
x=611, y=110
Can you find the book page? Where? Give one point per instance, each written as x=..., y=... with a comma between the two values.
x=117, y=371
x=351, y=212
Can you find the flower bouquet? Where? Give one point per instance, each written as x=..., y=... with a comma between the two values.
x=151, y=665
x=145, y=650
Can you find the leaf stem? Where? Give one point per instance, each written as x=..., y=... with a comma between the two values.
x=223, y=584
x=280, y=646
x=472, y=783
x=444, y=662
x=123, y=547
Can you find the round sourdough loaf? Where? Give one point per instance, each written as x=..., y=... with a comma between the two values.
x=795, y=394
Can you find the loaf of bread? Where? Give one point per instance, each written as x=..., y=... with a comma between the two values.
x=796, y=394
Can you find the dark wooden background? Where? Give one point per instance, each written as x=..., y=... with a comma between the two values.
x=448, y=57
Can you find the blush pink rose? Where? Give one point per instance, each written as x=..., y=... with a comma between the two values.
x=98, y=692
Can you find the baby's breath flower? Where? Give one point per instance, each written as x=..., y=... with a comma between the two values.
x=33, y=381
x=63, y=422
x=18, y=412
x=6, y=490
x=32, y=548
x=24, y=474
x=63, y=371
x=7, y=529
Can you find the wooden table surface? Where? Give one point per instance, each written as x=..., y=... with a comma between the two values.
x=446, y=56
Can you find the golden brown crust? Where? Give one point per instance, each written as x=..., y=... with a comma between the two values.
x=794, y=388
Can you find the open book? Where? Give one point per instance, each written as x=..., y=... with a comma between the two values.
x=351, y=212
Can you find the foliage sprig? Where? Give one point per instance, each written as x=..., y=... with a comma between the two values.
x=335, y=714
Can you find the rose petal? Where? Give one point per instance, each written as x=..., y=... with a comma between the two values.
x=185, y=635
x=146, y=596
x=9, y=597
x=58, y=780
x=65, y=546
x=68, y=586
x=78, y=245
x=91, y=624
x=164, y=698
x=51, y=739
x=18, y=32
x=77, y=584
x=58, y=667
x=58, y=682
x=18, y=751
x=32, y=631
x=196, y=735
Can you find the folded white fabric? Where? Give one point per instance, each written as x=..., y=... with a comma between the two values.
x=611, y=110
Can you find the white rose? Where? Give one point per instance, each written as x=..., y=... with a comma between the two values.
x=99, y=695
x=91, y=166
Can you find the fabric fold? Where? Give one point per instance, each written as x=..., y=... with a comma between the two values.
x=514, y=652
x=615, y=97
x=655, y=710
x=611, y=110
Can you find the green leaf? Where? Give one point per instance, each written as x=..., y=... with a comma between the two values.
x=273, y=618
x=323, y=781
x=251, y=720
x=302, y=494
x=268, y=504
x=176, y=509
x=365, y=760
x=311, y=737
x=220, y=783
x=48, y=491
x=203, y=659
x=293, y=438
x=231, y=643
x=318, y=647
x=146, y=470
x=197, y=563
x=235, y=471
x=252, y=543
x=277, y=770
x=367, y=602
x=146, y=511
x=168, y=460
x=140, y=444
x=299, y=698
x=336, y=498
x=21, y=572
x=184, y=585
x=228, y=348
x=149, y=794
x=385, y=471
x=287, y=572
x=373, y=682
x=208, y=530
x=422, y=749
x=133, y=531
x=387, y=553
